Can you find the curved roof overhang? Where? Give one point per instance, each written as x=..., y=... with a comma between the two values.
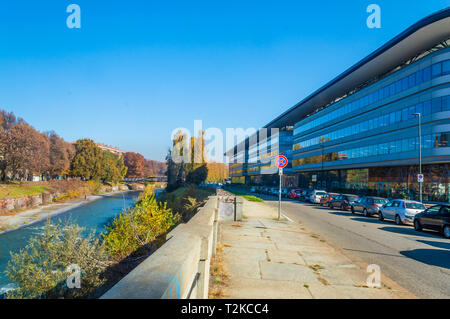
x=418, y=38
x=411, y=42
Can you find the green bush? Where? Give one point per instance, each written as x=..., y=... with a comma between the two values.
x=40, y=270
x=132, y=230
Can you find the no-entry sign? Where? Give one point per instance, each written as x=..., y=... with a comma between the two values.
x=281, y=161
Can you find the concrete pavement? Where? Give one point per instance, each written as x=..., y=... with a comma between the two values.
x=267, y=258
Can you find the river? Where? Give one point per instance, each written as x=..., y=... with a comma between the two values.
x=93, y=216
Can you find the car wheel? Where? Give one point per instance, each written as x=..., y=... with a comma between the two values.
x=417, y=225
x=352, y=209
x=366, y=213
x=398, y=220
x=446, y=231
x=380, y=216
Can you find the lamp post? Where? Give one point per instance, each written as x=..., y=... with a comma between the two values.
x=419, y=116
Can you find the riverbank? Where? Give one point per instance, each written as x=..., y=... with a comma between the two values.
x=17, y=220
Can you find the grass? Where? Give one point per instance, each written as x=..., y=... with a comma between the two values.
x=219, y=275
x=21, y=189
x=316, y=267
x=250, y=198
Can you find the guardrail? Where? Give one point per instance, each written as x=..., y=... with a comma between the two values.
x=179, y=269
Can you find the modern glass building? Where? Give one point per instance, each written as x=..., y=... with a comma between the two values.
x=360, y=131
x=254, y=163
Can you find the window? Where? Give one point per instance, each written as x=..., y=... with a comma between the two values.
x=433, y=210
x=446, y=103
x=427, y=107
x=412, y=80
x=426, y=74
x=436, y=70
x=444, y=211
x=446, y=67
x=396, y=204
x=404, y=114
x=436, y=105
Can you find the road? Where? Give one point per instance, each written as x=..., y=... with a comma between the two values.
x=418, y=261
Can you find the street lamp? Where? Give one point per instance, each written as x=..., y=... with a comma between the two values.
x=419, y=116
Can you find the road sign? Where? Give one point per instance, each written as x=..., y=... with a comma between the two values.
x=280, y=171
x=420, y=178
x=281, y=161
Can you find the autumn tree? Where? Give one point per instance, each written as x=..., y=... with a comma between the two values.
x=136, y=165
x=61, y=154
x=88, y=160
x=24, y=150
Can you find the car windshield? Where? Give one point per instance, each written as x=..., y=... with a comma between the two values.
x=415, y=206
x=321, y=193
x=334, y=195
x=352, y=198
x=380, y=201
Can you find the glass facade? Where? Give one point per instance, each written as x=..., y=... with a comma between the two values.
x=368, y=142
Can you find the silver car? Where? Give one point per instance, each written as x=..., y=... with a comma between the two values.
x=402, y=211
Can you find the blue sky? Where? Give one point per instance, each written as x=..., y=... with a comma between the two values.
x=138, y=69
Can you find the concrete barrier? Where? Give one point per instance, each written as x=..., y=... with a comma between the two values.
x=179, y=269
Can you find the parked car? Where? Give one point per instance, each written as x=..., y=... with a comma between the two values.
x=316, y=195
x=253, y=189
x=343, y=201
x=435, y=218
x=284, y=192
x=295, y=193
x=305, y=195
x=368, y=205
x=325, y=200
x=402, y=211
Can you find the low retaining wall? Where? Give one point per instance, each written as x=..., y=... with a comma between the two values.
x=30, y=201
x=179, y=269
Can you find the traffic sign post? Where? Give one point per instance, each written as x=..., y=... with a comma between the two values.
x=281, y=162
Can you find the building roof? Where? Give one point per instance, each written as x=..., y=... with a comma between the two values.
x=419, y=37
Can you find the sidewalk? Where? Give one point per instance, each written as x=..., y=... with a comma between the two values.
x=267, y=258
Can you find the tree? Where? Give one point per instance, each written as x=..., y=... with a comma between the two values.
x=61, y=155
x=88, y=160
x=114, y=169
x=24, y=150
x=135, y=163
x=198, y=175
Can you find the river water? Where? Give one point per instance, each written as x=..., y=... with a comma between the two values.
x=93, y=216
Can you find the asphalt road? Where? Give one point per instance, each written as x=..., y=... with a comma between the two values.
x=418, y=261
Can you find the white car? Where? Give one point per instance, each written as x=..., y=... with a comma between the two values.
x=316, y=195
x=401, y=211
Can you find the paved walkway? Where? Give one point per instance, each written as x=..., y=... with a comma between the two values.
x=267, y=258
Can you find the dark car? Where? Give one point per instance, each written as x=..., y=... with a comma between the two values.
x=368, y=205
x=435, y=218
x=343, y=201
x=305, y=195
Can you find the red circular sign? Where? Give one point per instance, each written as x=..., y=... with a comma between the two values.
x=281, y=161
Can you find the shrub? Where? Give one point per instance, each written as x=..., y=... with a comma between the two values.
x=40, y=269
x=131, y=231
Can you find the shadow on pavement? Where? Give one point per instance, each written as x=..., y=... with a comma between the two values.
x=437, y=244
x=405, y=230
x=367, y=220
x=341, y=213
x=433, y=257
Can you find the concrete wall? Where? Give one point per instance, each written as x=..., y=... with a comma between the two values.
x=179, y=269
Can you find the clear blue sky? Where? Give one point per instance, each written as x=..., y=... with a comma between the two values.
x=138, y=69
